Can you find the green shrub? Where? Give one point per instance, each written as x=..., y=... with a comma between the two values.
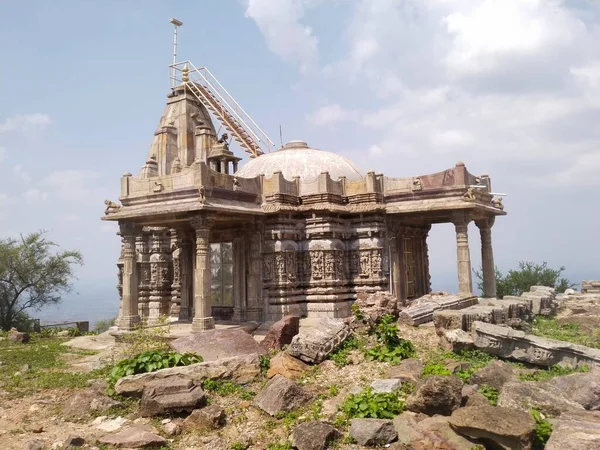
x=367, y=404
x=239, y=446
x=264, y=363
x=551, y=372
x=435, y=369
x=391, y=347
x=543, y=429
x=279, y=446
x=341, y=355
x=490, y=393
x=357, y=313
x=149, y=361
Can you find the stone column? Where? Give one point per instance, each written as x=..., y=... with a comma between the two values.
x=239, y=278
x=254, y=311
x=203, y=319
x=235, y=166
x=426, y=260
x=176, y=260
x=463, y=256
x=185, y=261
x=129, y=307
x=487, y=256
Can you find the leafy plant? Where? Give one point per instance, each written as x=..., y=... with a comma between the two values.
x=543, y=429
x=149, y=361
x=391, y=348
x=548, y=327
x=264, y=362
x=357, y=313
x=475, y=359
x=490, y=393
x=279, y=446
x=367, y=404
x=240, y=446
x=333, y=390
x=435, y=369
x=551, y=372
x=341, y=355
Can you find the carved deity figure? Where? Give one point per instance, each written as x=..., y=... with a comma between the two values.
x=469, y=195
x=111, y=207
x=497, y=203
x=223, y=140
x=365, y=263
x=417, y=184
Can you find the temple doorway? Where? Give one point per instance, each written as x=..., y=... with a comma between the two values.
x=221, y=263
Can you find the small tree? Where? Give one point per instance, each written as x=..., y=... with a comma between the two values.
x=515, y=282
x=32, y=275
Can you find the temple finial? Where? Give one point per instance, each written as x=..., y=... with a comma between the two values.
x=185, y=76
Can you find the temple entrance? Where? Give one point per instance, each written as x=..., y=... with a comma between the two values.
x=409, y=265
x=221, y=263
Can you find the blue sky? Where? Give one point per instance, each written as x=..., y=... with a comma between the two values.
x=510, y=87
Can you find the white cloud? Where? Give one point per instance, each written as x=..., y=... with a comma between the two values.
x=279, y=23
x=34, y=195
x=331, y=114
x=20, y=174
x=73, y=185
x=24, y=122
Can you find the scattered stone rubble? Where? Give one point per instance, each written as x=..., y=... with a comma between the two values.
x=422, y=309
x=314, y=343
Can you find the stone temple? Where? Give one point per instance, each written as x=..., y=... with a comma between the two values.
x=293, y=231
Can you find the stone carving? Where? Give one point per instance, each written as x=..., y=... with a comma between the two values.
x=422, y=309
x=111, y=207
x=314, y=344
x=497, y=203
x=417, y=184
x=469, y=196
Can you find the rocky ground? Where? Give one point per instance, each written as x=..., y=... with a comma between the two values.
x=328, y=384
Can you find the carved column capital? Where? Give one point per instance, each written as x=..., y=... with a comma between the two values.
x=487, y=222
x=201, y=221
x=461, y=218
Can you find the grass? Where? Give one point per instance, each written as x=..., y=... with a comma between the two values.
x=476, y=359
x=48, y=369
x=551, y=372
x=548, y=327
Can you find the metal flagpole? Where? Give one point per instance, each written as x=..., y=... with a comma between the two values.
x=176, y=23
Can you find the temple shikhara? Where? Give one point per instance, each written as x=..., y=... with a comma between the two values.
x=293, y=230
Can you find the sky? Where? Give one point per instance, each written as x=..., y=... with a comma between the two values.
x=406, y=88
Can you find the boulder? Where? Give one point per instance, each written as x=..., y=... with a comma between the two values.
x=524, y=395
x=582, y=388
x=286, y=365
x=409, y=370
x=507, y=428
x=318, y=339
x=455, y=340
x=314, y=435
x=373, y=432
x=217, y=344
x=18, y=337
x=576, y=430
x=281, y=333
x=437, y=430
x=240, y=369
x=281, y=395
x=495, y=374
x=472, y=397
x=137, y=436
x=437, y=395
x=208, y=418
x=406, y=427
x=384, y=386
x=86, y=403
x=172, y=395
x=376, y=305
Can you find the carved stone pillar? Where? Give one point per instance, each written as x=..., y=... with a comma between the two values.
x=120, y=284
x=129, y=308
x=186, y=264
x=176, y=260
x=463, y=255
x=254, y=310
x=203, y=319
x=143, y=264
x=426, y=260
x=487, y=256
x=239, y=278
x=160, y=280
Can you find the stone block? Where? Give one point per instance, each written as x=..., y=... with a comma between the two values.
x=217, y=344
x=314, y=343
x=376, y=305
x=437, y=395
x=421, y=310
x=18, y=337
x=590, y=287
x=137, y=436
x=373, y=432
x=576, y=430
x=208, y=418
x=172, y=395
x=286, y=365
x=281, y=395
x=385, y=385
x=525, y=395
x=281, y=333
x=314, y=435
x=509, y=343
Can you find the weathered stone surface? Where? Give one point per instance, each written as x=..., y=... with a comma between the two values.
x=172, y=428
x=35, y=444
x=171, y=395
x=383, y=385
x=208, y=418
x=437, y=395
x=87, y=403
x=590, y=286
x=137, y=436
x=456, y=340
x=508, y=428
x=281, y=333
x=217, y=344
x=409, y=370
x=286, y=365
x=576, y=430
x=314, y=435
x=281, y=395
x=525, y=395
x=73, y=441
x=406, y=427
x=372, y=431
x=582, y=388
x=314, y=343
x=422, y=309
x=495, y=374
x=438, y=431
x=464, y=318
x=514, y=310
x=240, y=369
x=514, y=344
x=18, y=337
x=376, y=305
x=105, y=424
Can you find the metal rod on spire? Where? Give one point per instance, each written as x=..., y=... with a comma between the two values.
x=177, y=24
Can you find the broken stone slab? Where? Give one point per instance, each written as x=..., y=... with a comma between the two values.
x=171, y=395
x=286, y=365
x=437, y=395
x=456, y=340
x=373, y=432
x=438, y=432
x=496, y=374
x=409, y=370
x=385, y=386
x=137, y=436
x=88, y=402
x=464, y=318
x=209, y=418
x=540, y=303
x=576, y=430
x=582, y=388
x=314, y=435
x=514, y=344
x=516, y=309
x=217, y=344
x=281, y=395
x=525, y=395
x=421, y=310
x=239, y=369
x=508, y=428
x=281, y=333
x=376, y=305
x=314, y=343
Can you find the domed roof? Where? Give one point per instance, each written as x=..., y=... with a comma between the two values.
x=296, y=158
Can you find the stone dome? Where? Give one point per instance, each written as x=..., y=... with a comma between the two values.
x=296, y=158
